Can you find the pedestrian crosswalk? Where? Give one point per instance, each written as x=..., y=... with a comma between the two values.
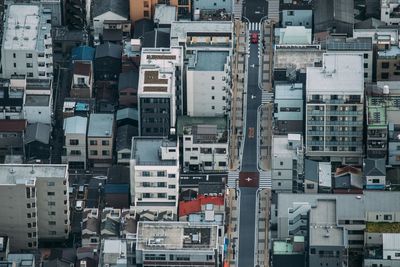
x=233, y=176
x=266, y=97
x=254, y=26
x=265, y=180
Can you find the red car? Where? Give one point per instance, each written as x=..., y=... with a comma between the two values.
x=254, y=38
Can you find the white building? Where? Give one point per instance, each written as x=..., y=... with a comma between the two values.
x=75, y=131
x=287, y=162
x=205, y=148
x=27, y=43
x=106, y=10
x=180, y=243
x=154, y=173
x=35, y=201
x=208, y=49
x=334, y=109
x=390, y=12
x=159, y=90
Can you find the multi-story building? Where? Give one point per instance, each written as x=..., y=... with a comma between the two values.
x=35, y=199
x=377, y=127
x=288, y=108
x=100, y=139
x=388, y=57
x=334, y=109
x=140, y=9
x=205, y=148
x=12, y=134
x=384, y=250
x=180, y=243
x=390, y=12
x=27, y=44
x=75, y=132
x=335, y=16
x=154, y=173
x=296, y=13
x=207, y=86
x=360, y=45
x=159, y=91
x=106, y=11
x=287, y=162
x=82, y=79
x=211, y=5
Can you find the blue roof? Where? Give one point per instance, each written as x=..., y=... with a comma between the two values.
x=83, y=52
x=116, y=189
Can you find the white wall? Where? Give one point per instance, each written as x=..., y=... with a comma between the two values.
x=98, y=21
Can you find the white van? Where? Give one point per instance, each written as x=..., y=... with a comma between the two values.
x=79, y=205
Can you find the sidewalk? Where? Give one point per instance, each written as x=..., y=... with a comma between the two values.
x=262, y=249
x=233, y=228
x=238, y=73
x=267, y=55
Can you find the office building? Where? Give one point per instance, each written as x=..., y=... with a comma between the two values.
x=181, y=243
x=154, y=173
x=334, y=109
x=36, y=202
x=159, y=91
x=205, y=148
x=27, y=43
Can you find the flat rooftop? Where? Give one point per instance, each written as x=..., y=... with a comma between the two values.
x=146, y=151
x=298, y=59
x=75, y=125
x=25, y=28
x=323, y=228
x=289, y=91
x=20, y=173
x=280, y=146
x=37, y=100
x=210, y=61
x=340, y=74
x=176, y=236
x=101, y=125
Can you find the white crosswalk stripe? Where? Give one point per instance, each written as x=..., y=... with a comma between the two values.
x=265, y=180
x=254, y=26
x=266, y=97
x=232, y=177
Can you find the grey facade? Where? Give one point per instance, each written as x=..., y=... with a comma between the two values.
x=297, y=15
x=155, y=116
x=212, y=5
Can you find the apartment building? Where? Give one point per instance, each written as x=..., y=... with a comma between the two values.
x=100, y=139
x=207, y=85
x=75, y=132
x=288, y=108
x=287, y=162
x=12, y=134
x=145, y=9
x=159, y=90
x=359, y=45
x=181, y=243
x=27, y=44
x=205, y=148
x=154, y=173
x=35, y=199
x=377, y=127
x=334, y=109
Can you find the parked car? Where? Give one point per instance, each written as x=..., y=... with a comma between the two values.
x=254, y=38
x=79, y=205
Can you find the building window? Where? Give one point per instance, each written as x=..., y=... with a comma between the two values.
x=93, y=152
x=52, y=223
x=212, y=97
x=52, y=233
x=387, y=217
x=14, y=55
x=171, y=197
x=29, y=65
x=281, y=163
x=15, y=65
x=51, y=183
x=365, y=74
x=105, y=153
x=52, y=213
x=145, y=173
x=171, y=175
x=212, y=107
x=290, y=13
x=310, y=186
x=222, y=164
x=105, y=142
x=375, y=181
x=51, y=193
x=365, y=65
x=74, y=142
x=146, y=14
x=161, y=195
x=212, y=78
x=52, y=203
x=385, y=65
x=160, y=173
x=171, y=186
x=93, y=142
x=365, y=55
x=75, y=152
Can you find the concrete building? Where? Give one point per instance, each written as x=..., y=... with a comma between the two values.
x=205, y=148
x=159, y=91
x=388, y=57
x=212, y=5
x=317, y=177
x=100, y=139
x=334, y=103
x=36, y=202
x=296, y=13
x=182, y=243
x=289, y=252
x=27, y=44
x=12, y=134
x=115, y=252
x=207, y=48
x=385, y=252
x=288, y=108
x=390, y=12
x=154, y=175
x=360, y=45
x=328, y=241
x=75, y=132
x=334, y=16
x=140, y=9
x=287, y=163
x=375, y=173
x=377, y=127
